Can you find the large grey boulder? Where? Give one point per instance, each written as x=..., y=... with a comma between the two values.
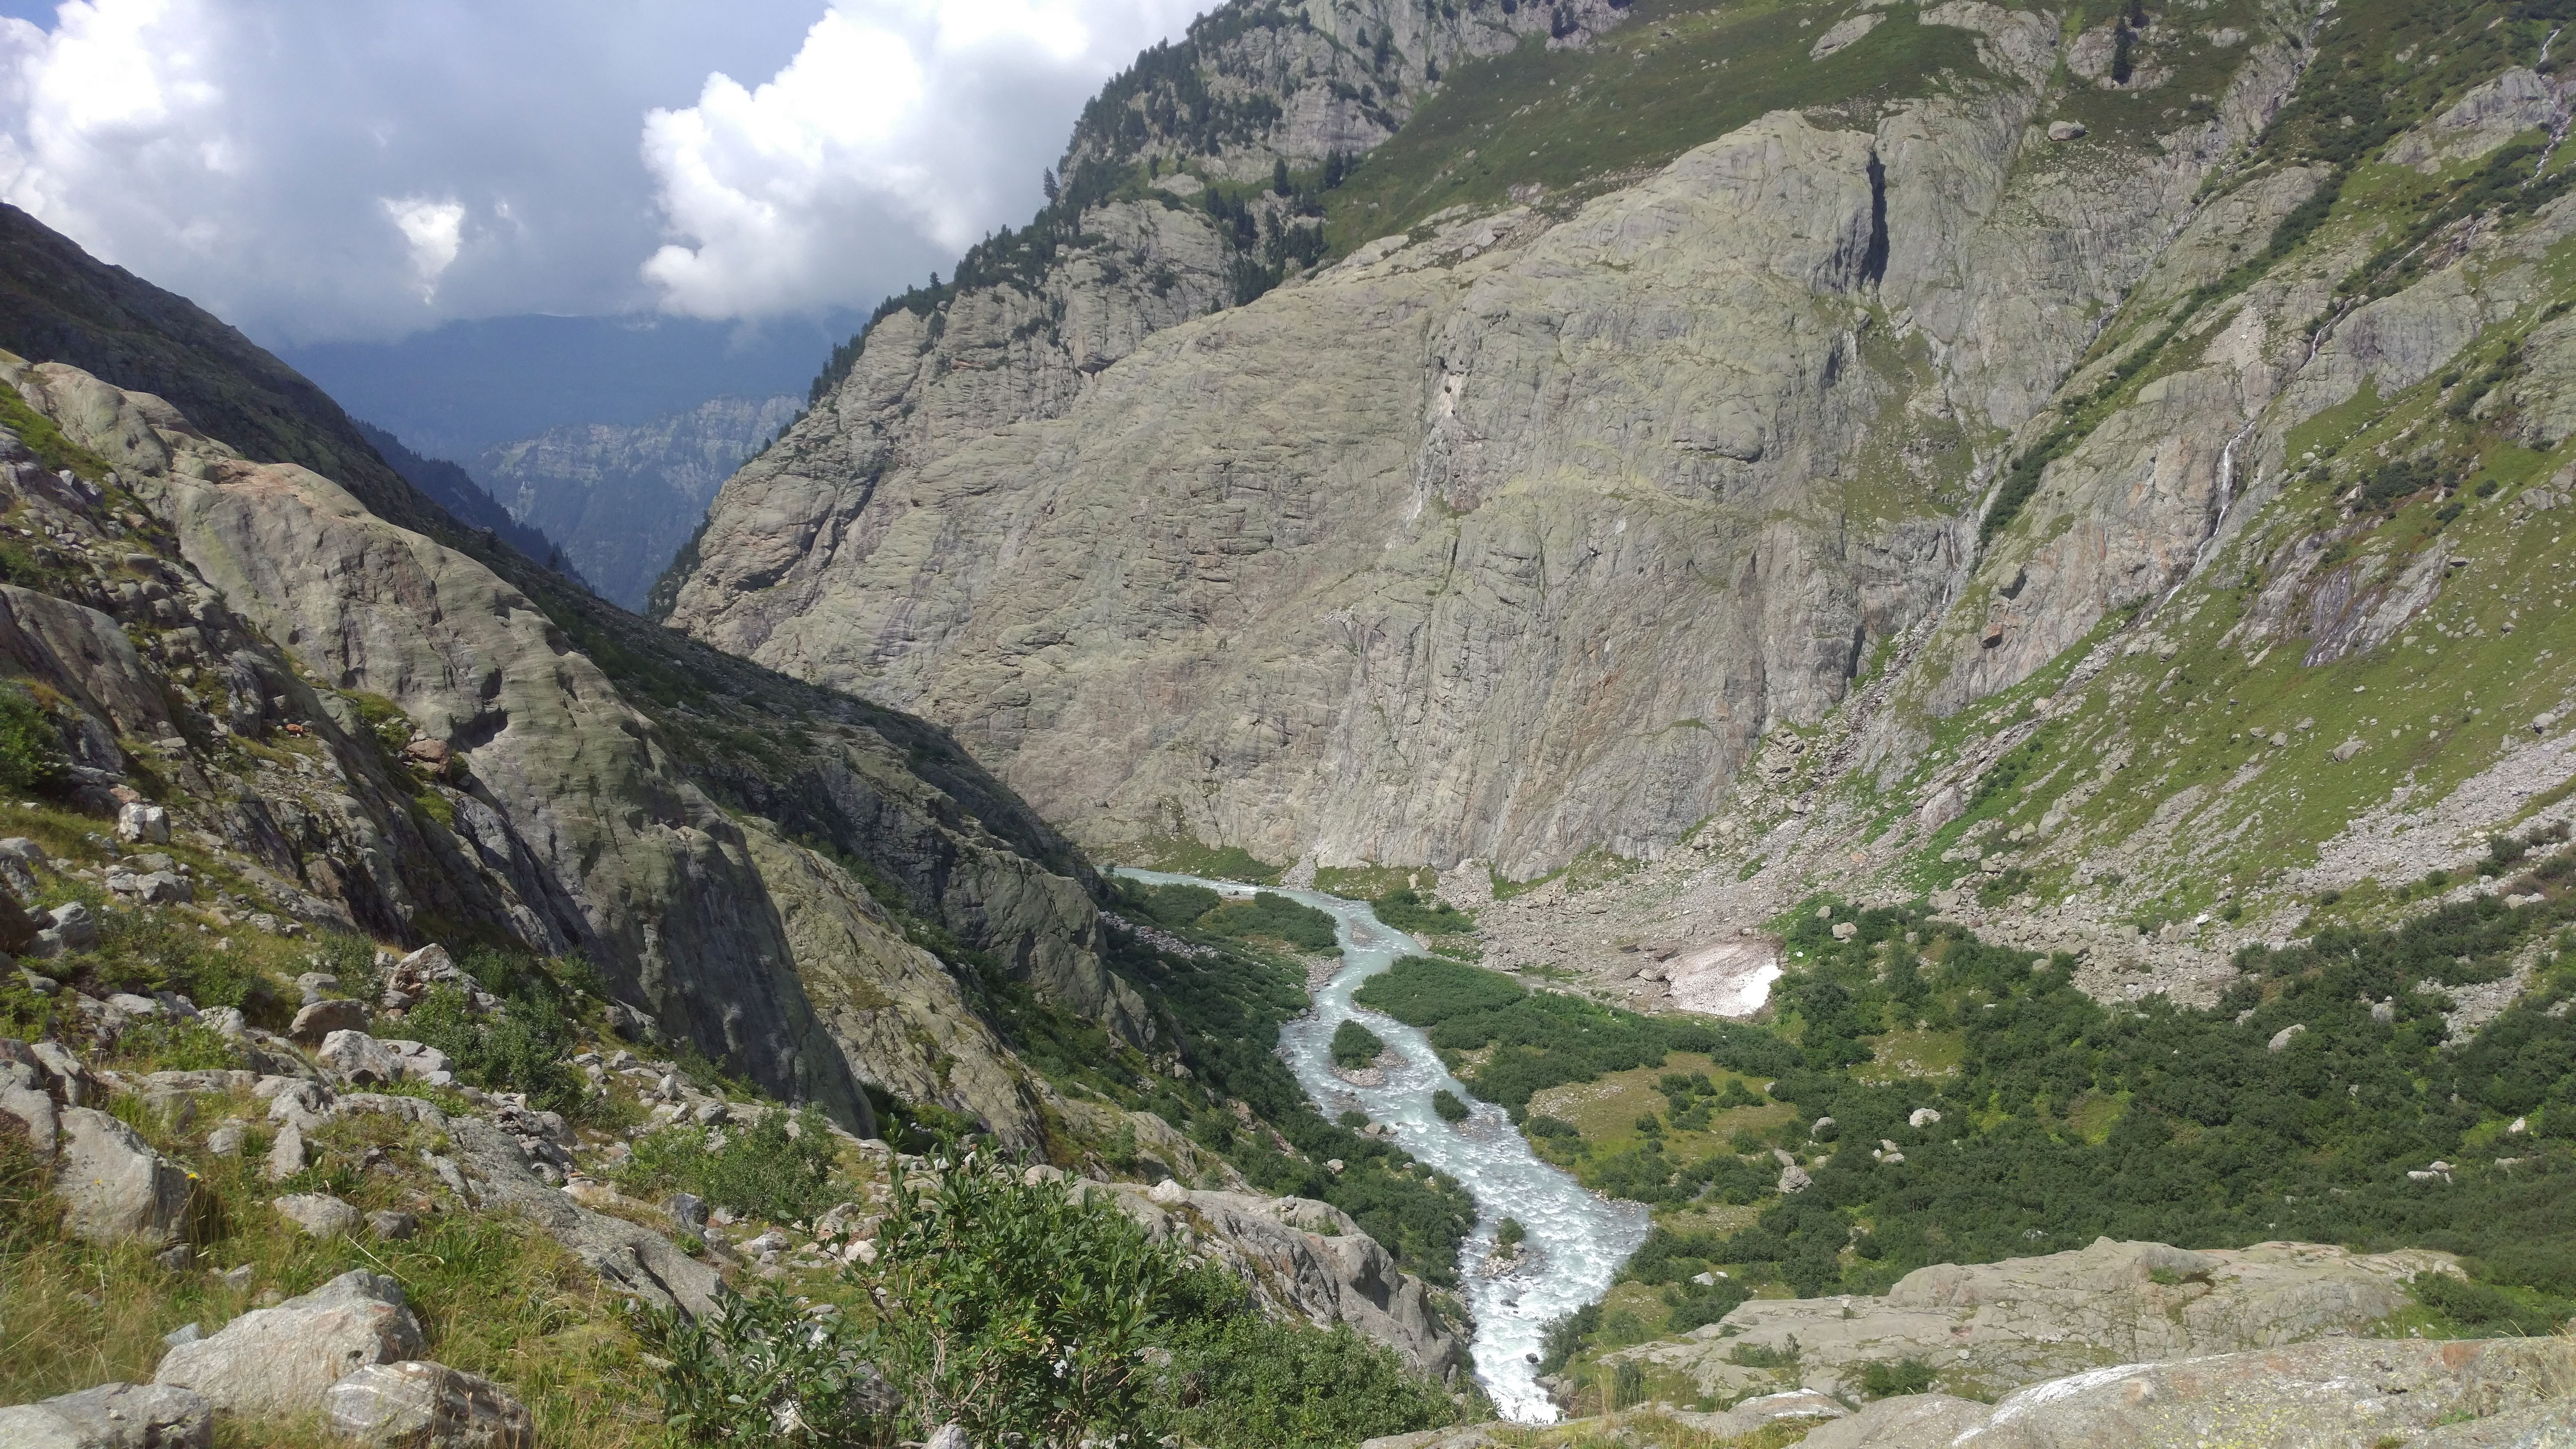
x=114, y=1187
x=355, y=1057
x=282, y=1360
x=314, y=1024
x=112, y=1416
x=319, y=1214
x=416, y=1405
x=23, y=1099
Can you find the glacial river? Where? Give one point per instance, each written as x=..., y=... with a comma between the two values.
x=1576, y=1241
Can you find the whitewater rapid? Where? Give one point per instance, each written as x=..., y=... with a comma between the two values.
x=1577, y=1240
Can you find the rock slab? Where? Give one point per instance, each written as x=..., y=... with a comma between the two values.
x=114, y=1187
x=112, y=1416
x=419, y=1405
x=282, y=1360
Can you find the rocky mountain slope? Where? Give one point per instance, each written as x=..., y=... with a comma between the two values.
x=356, y=715
x=622, y=500
x=1847, y=438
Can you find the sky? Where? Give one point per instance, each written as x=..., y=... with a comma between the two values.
x=327, y=170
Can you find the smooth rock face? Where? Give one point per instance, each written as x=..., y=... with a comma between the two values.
x=111, y=1416
x=415, y=1405
x=2308, y=1396
x=1996, y=1326
x=1292, y=1267
x=114, y=1187
x=1504, y=543
x=278, y=1361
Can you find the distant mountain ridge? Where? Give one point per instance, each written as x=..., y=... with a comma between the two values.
x=621, y=500
x=460, y=389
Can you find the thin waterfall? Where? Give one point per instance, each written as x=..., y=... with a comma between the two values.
x=2226, y=500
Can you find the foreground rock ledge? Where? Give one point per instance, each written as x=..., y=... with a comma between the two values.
x=2332, y=1394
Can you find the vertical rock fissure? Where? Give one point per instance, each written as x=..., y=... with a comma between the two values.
x=1873, y=263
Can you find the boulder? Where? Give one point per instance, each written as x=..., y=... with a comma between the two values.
x=23, y=1099
x=279, y=1361
x=139, y=822
x=114, y=1187
x=319, y=1214
x=74, y=926
x=314, y=1024
x=393, y=1225
x=355, y=1057
x=112, y=1416
x=286, y=1155
x=416, y=1405
x=17, y=928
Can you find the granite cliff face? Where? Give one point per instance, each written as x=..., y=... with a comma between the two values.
x=620, y=501
x=1505, y=537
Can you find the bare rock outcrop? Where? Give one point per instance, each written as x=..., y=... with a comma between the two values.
x=114, y=1187
x=1508, y=537
x=1996, y=1326
x=1304, y=1257
x=275, y=1362
x=112, y=1416
x=419, y=1405
x=2334, y=1392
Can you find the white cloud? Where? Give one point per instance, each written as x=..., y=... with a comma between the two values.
x=901, y=127
x=435, y=230
x=316, y=169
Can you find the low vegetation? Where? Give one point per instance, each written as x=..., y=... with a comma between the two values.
x=1009, y=1305
x=2321, y=1099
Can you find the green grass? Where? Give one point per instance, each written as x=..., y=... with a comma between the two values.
x=1578, y=122
x=1187, y=855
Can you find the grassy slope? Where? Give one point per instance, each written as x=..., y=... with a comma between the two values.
x=1579, y=122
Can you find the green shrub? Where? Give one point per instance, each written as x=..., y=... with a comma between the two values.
x=1446, y=1103
x=1272, y=914
x=523, y=1047
x=1181, y=905
x=1546, y=1039
x=177, y=1046
x=1355, y=1046
x=762, y=1373
x=1406, y=910
x=1889, y=1379
x=1244, y=1382
x=2489, y=1309
x=1509, y=1233
x=1542, y=1125
x=31, y=747
x=761, y=1169
x=1022, y=1313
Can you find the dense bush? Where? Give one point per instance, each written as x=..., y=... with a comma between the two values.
x=1355, y=1046
x=1546, y=1039
x=31, y=748
x=763, y=1169
x=525, y=1046
x=1271, y=914
x=1407, y=911
x=1446, y=1104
